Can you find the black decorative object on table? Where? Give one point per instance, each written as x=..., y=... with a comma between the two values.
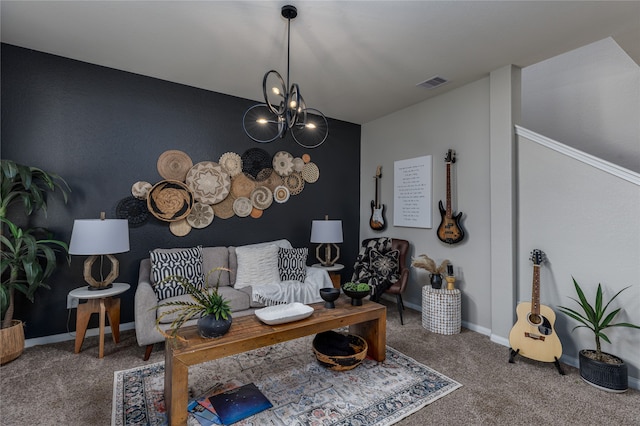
x=329, y=295
x=436, y=281
x=357, y=292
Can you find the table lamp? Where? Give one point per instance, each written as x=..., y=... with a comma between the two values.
x=327, y=233
x=99, y=237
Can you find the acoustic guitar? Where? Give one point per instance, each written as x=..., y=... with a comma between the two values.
x=377, y=221
x=533, y=335
x=450, y=230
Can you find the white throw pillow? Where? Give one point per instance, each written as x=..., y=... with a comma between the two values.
x=257, y=266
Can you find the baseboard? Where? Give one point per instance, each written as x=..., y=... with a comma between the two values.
x=63, y=337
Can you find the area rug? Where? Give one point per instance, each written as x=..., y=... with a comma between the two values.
x=302, y=391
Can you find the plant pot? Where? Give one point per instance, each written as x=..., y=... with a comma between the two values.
x=436, y=281
x=209, y=327
x=606, y=376
x=11, y=342
x=356, y=296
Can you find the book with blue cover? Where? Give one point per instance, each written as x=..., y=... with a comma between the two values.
x=236, y=404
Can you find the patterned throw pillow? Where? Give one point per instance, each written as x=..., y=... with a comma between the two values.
x=257, y=266
x=186, y=263
x=292, y=264
x=384, y=266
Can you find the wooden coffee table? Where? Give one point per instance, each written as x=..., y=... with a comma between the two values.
x=368, y=321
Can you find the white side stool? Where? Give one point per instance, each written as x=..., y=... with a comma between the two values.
x=441, y=310
x=101, y=302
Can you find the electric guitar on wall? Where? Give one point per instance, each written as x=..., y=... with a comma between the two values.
x=533, y=335
x=377, y=221
x=450, y=230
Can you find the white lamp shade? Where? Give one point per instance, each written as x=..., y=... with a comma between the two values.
x=326, y=231
x=99, y=236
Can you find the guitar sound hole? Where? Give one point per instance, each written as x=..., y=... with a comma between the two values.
x=535, y=319
x=543, y=324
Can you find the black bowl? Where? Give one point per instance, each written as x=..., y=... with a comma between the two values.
x=356, y=296
x=329, y=295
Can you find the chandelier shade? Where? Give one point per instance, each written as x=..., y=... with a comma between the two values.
x=284, y=109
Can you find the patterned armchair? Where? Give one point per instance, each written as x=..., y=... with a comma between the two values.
x=382, y=262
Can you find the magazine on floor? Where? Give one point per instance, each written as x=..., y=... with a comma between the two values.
x=239, y=403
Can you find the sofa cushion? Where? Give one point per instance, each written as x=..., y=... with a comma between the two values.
x=257, y=265
x=215, y=257
x=183, y=262
x=233, y=259
x=238, y=301
x=292, y=263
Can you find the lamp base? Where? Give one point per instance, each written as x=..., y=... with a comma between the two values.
x=92, y=288
x=328, y=260
x=105, y=283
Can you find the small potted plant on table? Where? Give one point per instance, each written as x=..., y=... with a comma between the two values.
x=206, y=304
x=600, y=369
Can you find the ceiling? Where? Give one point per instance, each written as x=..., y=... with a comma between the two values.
x=354, y=60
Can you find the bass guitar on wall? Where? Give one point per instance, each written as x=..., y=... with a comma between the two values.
x=377, y=221
x=450, y=230
x=533, y=335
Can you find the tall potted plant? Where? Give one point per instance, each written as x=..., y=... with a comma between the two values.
x=28, y=254
x=600, y=369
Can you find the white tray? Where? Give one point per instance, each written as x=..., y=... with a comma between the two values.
x=280, y=314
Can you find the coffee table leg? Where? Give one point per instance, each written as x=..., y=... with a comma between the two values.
x=375, y=333
x=176, y=388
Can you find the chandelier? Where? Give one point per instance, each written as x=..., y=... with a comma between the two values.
x=284, y=110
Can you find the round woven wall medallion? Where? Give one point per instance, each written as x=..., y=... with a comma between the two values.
x=224, y=209
x=174, y=165
x=261, y=197
x=231, y=163
x=209, y=183
x=201, y=216
x=134, y=210
x=180, y=228
x=242, y=185
x=281, y=194
x=254, y=160
x=283, y=163
x=170, y=200
x=242, y=207
x=140, y=189
x=272, y=180
x=256, y=213
x=310, y=172
x=294, y=182
x=298, y=163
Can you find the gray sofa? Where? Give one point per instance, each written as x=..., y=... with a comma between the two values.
x=243, y=301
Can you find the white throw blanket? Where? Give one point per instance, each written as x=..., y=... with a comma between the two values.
x=293, y=291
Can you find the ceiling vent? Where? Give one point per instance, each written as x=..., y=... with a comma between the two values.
x=433, y=82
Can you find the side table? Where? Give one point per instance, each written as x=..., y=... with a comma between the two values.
x=441, y=310
x=101, y=302
x=334, y=272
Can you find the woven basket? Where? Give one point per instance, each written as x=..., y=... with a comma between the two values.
x=344, y=362
x=11, y=342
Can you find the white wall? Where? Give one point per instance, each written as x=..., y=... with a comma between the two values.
x=456, y=120
x=584, y=98
x=587, y=222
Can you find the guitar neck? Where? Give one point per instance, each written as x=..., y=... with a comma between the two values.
x=535, y=291
x=449, y=190
x=377, y=203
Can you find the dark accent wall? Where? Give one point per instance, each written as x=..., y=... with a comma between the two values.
x=102, y=130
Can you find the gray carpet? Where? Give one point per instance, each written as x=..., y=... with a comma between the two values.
x=50, y=385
